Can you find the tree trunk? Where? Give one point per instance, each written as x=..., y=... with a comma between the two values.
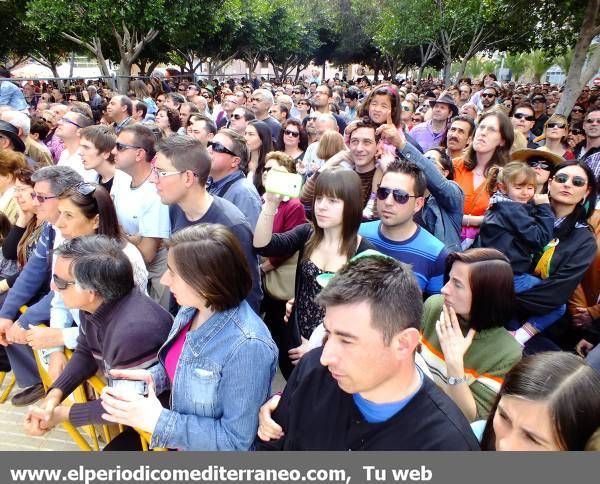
x=581, y=71
x=123, y=76
x=447, y=72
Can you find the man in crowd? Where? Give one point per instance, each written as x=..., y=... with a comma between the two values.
x=180, y=174
x=523, y=119
x=33, y=283
x=430, y=134
x=322, y=123
x=400, y=196
x=261, y=102
x=370, y=393
x=229, y=158
x=459, y=136
x=229, y=104
x=10, y=94
x=589, y=150
x=321, y=101
x=145, y=220
x=489, y=96
x=538, y=101
x=351, y=100
x=120, y=326
x=240, y=118
x=68, y=130
x=174, y=100
x=120, y=112
x=202, y=127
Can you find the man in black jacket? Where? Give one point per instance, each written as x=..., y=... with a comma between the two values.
x=363, y=391
x=120, y=327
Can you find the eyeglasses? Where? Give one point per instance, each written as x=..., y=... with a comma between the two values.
x=60, y=283
x=527, y=117
x=400, y=196
x=220, y=148
x=488, y=95
x=577, y=181
x=41, y=198
x=67, y=120
x=555, y=125
x=164, y=173
x=85, y=189
x=192, y=87
x=293, y=134
x=537, y=163
x=182, y=89
x=125, y=146
x=593, y=121
x=577, y=110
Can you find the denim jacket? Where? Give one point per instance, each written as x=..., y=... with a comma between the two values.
x=222, y=378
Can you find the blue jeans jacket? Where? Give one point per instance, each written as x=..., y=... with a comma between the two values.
x=222, y=378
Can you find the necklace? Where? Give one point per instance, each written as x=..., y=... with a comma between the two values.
x=143, y=181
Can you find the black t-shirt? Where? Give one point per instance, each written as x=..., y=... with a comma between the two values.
x=107, y=184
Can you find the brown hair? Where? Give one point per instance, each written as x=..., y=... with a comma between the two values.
x=392, y=94
x=501, y=154
x=10, y=161
x=509, y=174
x=344, y=185
x=331, y=143
x=209, y=258
x=492, y=287
x=283, y=160
x=103, y=138
x=24, y=176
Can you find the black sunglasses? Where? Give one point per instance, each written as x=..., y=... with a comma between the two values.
x=555, y=125
x=577, y=181
x=577, y=110
x=219, y=148
x=237, y=116
x=539, y=163
x=576, y=131
x=488, y=94
x=125, y=146
x=523, y=115
x=400, y=196
x=293, y=134
x=60, y=283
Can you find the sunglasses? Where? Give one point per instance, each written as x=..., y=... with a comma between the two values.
x=67, y=120
x=293, y=134
x=576, y=131
x=543, y=164
x=41, y=198
x=555, y=125
x=527, y=117
x=60, y=283
x=577, y=110
x=400, y=196
x=296, y=92
x=577, y=181
x=488, y=95
x=125, y=146
x=220, y=148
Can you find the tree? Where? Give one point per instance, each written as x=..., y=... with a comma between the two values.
x=538, y=62
x=517, y=63
x=564, y=60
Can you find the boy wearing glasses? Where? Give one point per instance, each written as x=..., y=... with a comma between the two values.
x=400, y=196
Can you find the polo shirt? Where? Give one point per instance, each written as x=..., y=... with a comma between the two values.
x=424, y=135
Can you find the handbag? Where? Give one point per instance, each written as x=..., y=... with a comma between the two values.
x=280, y=283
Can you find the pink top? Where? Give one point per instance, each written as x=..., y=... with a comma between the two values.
x=174, y=352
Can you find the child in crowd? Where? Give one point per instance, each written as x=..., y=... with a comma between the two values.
x=520, y=224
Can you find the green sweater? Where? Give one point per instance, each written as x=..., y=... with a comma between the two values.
x=492, y=353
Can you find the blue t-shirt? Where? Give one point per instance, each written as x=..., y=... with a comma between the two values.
x=426, y=254
x=380, y=412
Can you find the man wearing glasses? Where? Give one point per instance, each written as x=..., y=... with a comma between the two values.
x=32, y=286
x=67, y=130
x=143, y=217
x=590, y=148
x=229, y=157
x=523, y=119
x=538, y=101
x=240, y=118
x=180, y=173
x=191, y=91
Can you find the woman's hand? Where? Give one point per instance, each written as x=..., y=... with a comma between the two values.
x=296, y=353
x=135, y=375
x=454, y=345
x=131, y=409
x=39, y=337
x=268, y=429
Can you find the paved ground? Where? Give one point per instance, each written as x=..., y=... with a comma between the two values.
x=12, y=436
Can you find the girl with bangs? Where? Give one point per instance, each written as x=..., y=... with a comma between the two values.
x=324, y=245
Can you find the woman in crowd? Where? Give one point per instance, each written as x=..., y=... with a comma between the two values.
x=20, y=242
x=577, y=114
x=258, y=138
x=491, y=144
x=548, y=402
x=324, y=246
x=572, y=190
x=168, y=121
x=279, y=272
x=464, y=343
x=304, y=107
x=142, y=93
x=218, y=360
x=330, y=144
x=86, y=209
x=293, y=139
x=556, y=131
x=576, y=135
x=10, y=162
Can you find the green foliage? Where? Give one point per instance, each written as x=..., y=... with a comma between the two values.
x=538, y=62
x=517, y=63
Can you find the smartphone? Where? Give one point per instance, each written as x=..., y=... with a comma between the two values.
x=132, y=386
x=283, y=183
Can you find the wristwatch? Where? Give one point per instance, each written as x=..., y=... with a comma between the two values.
x=454, y=380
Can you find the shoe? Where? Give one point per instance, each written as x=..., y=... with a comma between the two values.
x=28, y=396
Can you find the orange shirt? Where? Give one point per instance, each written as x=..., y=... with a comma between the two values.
x=476, y=199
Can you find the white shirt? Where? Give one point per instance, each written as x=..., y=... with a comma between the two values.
x=140, y=210
x=74, y=161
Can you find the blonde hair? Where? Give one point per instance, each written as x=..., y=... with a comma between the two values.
x=509, y=174
x=558, y=118
x=283, y=160
x=331, y=143
x=593, y=442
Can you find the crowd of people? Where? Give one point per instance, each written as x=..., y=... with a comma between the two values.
x=431, y=282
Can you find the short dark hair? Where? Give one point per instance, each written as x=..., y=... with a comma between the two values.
x=389, y=286
x=209, y=124
x=493, y=298
x=303, y=138
x=570, y=388
x=177, y=98
x=248, y=113
x=411, y=169
x=41, y=127
x=141, y=106
x=99, y=264
x=465, y=119
x=209, y=258
x=125, y=101
x=173, y=117
x=187, y=153
x=364, y=122
x=352, y=94
x=142, y=137
x=103, y=137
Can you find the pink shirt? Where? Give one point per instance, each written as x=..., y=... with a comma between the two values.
x=174, y=352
